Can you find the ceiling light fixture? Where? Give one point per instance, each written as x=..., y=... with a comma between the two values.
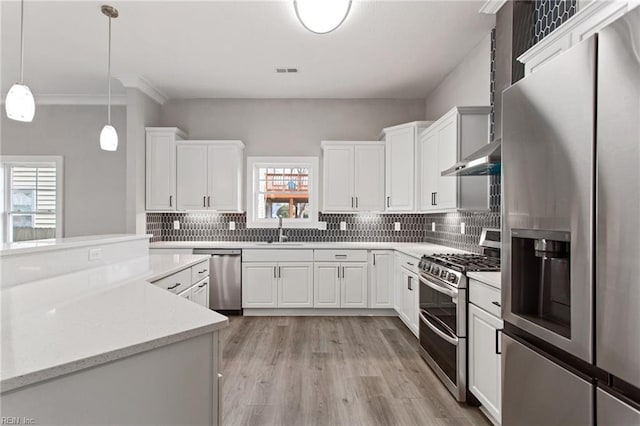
x=321, y=16
x=108, y=135
x=20, y=105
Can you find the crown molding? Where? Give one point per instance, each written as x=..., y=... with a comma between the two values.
x=131, y=81
x=52, y=99
x=491, y=7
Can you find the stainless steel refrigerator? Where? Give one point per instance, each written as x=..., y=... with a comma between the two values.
x=571, y=236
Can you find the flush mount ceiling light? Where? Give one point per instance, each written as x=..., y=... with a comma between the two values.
x=20, y=105
x=321, y=16
x=108, y=135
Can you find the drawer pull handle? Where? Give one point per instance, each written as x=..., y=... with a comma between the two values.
x=200, y=286
x=341, y=256
x=174, y=286
x=496, y=303
x=410, y=264
x=203, y=271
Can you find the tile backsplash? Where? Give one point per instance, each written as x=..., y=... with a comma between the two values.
x=369, y=227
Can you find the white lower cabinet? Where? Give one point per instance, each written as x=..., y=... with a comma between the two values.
x=200, y=293
x=406, y=299
x=259, y=285
x=381, y=277
x=485, y=379
x=340, y=285
x=295, y=285
x=186, y=294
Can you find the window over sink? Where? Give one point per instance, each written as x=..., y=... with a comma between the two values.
x=282, y=187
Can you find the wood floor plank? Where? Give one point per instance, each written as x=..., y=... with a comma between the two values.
x=332, y=371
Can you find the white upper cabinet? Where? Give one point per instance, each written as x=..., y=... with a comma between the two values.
x=161, y=167
x=401, y=185
x=455, y=136
x=353, y=176
x=210, y=175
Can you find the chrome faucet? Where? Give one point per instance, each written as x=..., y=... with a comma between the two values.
x=282, y=237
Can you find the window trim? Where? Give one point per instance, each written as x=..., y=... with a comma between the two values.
x=311, y=163
x=31, y=160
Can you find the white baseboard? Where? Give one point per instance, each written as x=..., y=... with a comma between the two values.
x=311, y=312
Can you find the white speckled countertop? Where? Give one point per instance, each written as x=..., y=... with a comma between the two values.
x=489, y=278
x=75, y=321
x=411, y=249
x=34, y=246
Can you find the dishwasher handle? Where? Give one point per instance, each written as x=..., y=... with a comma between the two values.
x=218, y=252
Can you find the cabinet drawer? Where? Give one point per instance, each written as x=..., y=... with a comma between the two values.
x=408, y=262
x=199, y=271
x=177, y=282
x=485, y=297
x=277, y=255
x=340, y=255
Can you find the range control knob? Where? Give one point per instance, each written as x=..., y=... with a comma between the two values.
x=452, y=278
x=435, y=270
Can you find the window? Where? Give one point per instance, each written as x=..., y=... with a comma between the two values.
x=32, y=198
x=282, y=187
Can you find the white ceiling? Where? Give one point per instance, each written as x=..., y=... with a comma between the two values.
x=216, y=49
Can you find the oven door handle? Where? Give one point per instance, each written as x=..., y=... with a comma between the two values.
x=452, y=340
x=440, y=288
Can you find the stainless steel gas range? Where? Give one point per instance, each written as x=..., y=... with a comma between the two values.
x=443, y=310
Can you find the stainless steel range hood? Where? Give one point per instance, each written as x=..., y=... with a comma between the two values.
x=485, y=161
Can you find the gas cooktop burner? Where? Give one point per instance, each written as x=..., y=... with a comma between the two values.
x=465, y=262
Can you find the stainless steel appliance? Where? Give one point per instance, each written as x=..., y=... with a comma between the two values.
x=443, y=313
x=571, y=269
x=225, y=288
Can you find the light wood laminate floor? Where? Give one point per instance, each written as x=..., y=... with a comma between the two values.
x=331, y=371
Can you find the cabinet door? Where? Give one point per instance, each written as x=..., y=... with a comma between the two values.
x=369, y=177
x=295, y=285
x=429, y=170
x=353, y=292
x=381, y=282
x=400, y=146
x=446, y=197
x=224, y=181
x=484, y=361
x=161, y=170
x=397, y=285
x=259, y=285
x=200, y=293
x=192, y=177
x=186, y=294
x=326, y=285
x=410, y=300
x=338, y=179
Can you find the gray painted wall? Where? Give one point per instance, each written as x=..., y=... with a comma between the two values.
x=288, y=126
x=94, y=180
x=468, y=84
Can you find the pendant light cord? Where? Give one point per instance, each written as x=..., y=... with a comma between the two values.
x=109, y=77
x=21, y=41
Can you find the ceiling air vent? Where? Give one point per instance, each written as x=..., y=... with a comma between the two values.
x=286, y=70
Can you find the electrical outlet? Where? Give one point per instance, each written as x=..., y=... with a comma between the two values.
x=232, y=226
x=95, y=254
x=322, y=226
x=433, y=227
x=396, y=226
x=343, y=226
x=176, y=224
x=462, y=228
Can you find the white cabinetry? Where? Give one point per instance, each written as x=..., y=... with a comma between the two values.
x=277, y=278
x=401, y=184
x=353, y=176
x=456, y=135
x=406, y=291
x=485, y=379
x=340, y=285
x=200, y=293
x=381, y=278
x=209, y=175
x=161, y=167
x=353, y=288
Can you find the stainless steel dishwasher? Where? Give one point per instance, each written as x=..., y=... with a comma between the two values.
x=225, y=286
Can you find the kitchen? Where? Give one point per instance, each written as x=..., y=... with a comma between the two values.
x=390, y=248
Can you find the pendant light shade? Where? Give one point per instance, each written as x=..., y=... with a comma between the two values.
x=109, y=138
x=19, y=104
x=108, y=135
x=321, y=16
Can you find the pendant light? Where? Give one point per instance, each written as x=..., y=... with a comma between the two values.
x=321, y=16
x=108, y=135
x=20, y=105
